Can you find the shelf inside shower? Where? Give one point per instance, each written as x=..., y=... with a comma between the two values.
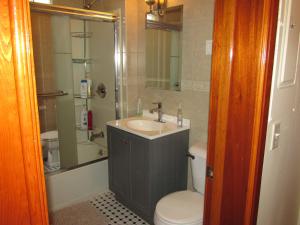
x=81, y=34
x=81, y=104
x=81, y=61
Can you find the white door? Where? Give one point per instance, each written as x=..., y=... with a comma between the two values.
x=280, y=189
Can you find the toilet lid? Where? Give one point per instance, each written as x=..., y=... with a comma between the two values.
x=183, y=207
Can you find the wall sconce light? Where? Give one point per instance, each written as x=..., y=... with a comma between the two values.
x=157, y=7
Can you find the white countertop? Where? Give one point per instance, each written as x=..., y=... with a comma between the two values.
x=169, y=127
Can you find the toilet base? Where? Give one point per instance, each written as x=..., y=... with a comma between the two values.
x=160, y=221
x=180, y=208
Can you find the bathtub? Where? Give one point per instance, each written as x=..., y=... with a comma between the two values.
x=73, y=186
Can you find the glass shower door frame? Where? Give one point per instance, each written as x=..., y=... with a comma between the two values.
x=98, y=16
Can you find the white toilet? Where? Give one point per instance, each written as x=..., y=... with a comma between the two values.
x=185, y=207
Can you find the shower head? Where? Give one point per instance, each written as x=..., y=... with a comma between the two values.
x=88, y=4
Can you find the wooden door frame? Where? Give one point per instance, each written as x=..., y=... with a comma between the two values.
x=20, y=154
x=244, y=40
x=242, y=63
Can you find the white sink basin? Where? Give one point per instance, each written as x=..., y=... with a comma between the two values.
x=145, y=125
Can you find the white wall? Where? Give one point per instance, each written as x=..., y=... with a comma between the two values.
x=280, y=190
x=76, y=185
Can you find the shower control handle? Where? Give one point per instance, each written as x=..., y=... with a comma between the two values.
x=101, y=90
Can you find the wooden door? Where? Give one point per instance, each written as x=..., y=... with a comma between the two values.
x=243, y=51
x=22, y=186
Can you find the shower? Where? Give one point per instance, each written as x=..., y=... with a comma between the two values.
x=75, y=51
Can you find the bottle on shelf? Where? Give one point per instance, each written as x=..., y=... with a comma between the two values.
x=86, y=88
x=83, y=88
x=90, y=120
x=83, y=119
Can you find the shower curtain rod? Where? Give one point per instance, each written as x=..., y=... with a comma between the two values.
x=76, y=12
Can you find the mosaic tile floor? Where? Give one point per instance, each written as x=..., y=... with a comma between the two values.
x=115, y=212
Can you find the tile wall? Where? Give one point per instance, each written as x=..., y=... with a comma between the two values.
x=194, y=97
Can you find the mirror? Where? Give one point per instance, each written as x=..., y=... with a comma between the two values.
x=164, y=49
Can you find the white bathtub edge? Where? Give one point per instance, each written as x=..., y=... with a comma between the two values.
x=68, y=188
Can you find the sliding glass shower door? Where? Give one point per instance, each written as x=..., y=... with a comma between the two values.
x=75, y=78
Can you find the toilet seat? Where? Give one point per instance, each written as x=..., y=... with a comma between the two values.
x=180, y=208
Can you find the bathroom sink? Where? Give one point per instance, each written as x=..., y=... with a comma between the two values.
x=145, y=125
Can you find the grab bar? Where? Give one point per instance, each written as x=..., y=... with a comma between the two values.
x=52, y=94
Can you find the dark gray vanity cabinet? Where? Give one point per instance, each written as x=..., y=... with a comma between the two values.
x=142, y=171
x=120, y=163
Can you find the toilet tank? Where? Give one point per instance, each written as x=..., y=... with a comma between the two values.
x=198, y=166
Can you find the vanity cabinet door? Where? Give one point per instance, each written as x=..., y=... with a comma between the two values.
x=119, y=163
x=142, y=171
x=139, y=172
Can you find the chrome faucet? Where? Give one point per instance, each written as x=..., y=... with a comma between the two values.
x=158, y=110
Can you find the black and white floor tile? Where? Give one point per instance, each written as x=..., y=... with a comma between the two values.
x=115, y=212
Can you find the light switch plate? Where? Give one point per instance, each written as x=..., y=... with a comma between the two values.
x=208, y=49
x=275, y=136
